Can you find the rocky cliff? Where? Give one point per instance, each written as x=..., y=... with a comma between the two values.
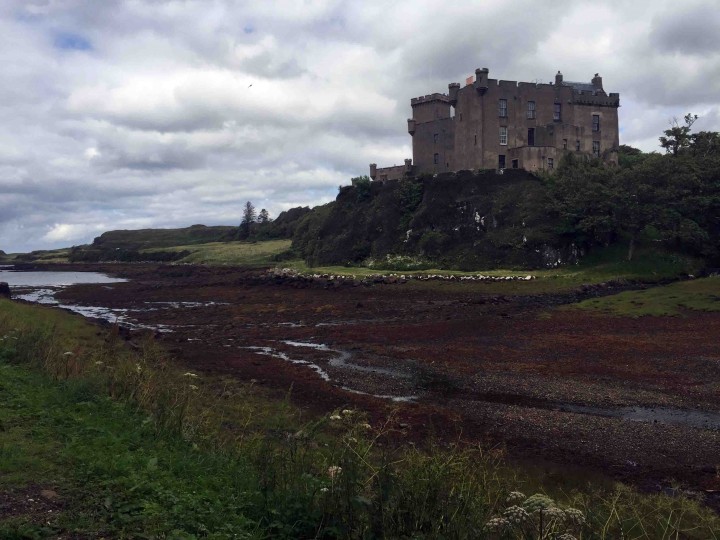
x=461, y=220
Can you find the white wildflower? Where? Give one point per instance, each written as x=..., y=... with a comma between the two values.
x=573, y=515
x=516, y=515
x=347, y=411
x=497, y=524
x=366, y=426
x=335, y=417
x=566, y=536
x=538, y=502
x=68, y=353
x=189, y=374
x=324, y=490
x=99, y=362
x=554, y=513
x=334, y=471
x=515, y=496
x=193, y=387
x=138, y=368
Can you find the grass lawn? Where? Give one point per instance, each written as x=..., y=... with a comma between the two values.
x=669, y=300
x=232, y=253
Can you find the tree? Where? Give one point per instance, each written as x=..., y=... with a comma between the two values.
x=362, y=186
x=263, y=216
x=705, y=143
x=629, y=156
x=248, y=217
x=678, y=137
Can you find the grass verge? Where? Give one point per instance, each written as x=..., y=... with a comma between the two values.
x=669, y=300
x=231, y=253
x=103, y=441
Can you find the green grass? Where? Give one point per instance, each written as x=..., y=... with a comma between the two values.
x=669, y=300
x=232, y=253
x=648, y=266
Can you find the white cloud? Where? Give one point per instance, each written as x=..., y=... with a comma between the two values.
x=68, y=232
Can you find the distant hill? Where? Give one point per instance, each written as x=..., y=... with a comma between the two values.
x=153, y=244
x=158, y=238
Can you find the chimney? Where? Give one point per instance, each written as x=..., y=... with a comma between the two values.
x=597, y=82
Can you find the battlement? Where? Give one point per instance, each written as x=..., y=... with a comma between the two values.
x=443, y=98
x=596, y=98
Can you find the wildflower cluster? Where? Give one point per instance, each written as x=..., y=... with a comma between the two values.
x=536, y=515
x=516, y=515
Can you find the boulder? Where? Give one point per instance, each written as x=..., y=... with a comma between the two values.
x=4, y=290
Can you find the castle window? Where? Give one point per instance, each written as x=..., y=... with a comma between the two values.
x=596, y=122
x=577, y=145
x=436, y=158
x=502, y=108
x=596, y=149
x=501, y=161
x=531, y=109
x=557, y=112
x=564, y=144
x=551, y=163
x=475, y=140
x=514, y=163
x=435, y=137
x=531, y=136
x=503, y=135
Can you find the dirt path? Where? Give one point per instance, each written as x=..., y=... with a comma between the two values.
x=558, y=385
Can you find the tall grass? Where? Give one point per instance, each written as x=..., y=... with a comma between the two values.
x=333, y=477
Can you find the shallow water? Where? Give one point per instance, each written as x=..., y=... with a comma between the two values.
x=339, y=360
x=53, y=279
x=657, y=415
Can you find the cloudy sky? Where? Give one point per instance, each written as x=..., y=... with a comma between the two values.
x=125, y=114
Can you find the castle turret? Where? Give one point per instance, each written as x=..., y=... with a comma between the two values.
x=481, y=80
x=558, y=79
x=408, y=167
x=430, y=107
x=411, y=126
x=453, y=89
x=373, y=170
x=597, y=82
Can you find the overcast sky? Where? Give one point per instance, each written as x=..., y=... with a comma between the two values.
x=150, y=113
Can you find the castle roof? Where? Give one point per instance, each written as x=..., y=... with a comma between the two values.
x=581, y=86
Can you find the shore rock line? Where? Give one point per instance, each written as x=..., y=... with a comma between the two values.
x=289, y=274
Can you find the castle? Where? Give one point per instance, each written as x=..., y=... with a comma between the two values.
x=491, y=124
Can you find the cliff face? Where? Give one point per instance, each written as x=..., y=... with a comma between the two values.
x=460, y=220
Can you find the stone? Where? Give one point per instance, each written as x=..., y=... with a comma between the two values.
x=4, y=290
x=49, y=494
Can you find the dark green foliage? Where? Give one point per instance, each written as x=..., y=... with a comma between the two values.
x=410, y=194
x=451, y=220
x=362, y=187
x=248, y=220
x=678, y=137
x=629, y=156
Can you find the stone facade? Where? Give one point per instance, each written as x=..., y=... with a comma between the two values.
x=492, y=124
